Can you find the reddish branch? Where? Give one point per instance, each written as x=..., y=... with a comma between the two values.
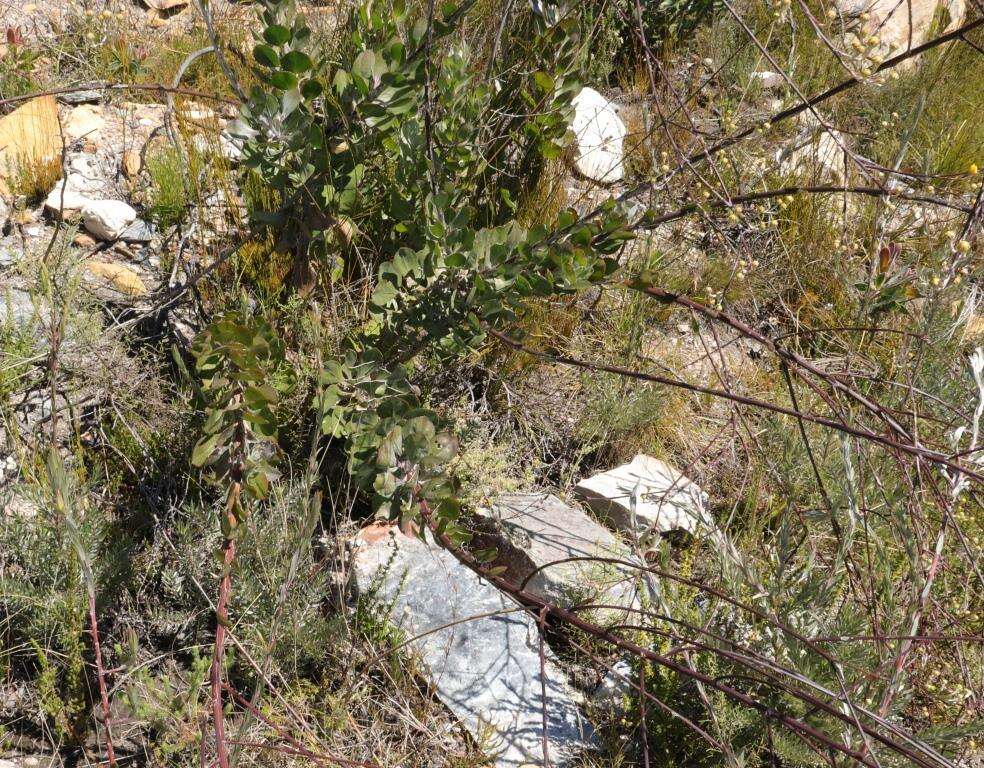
x=796, y=189
x=158, y=87
x=799, y=362
x=232, y=514
x=221, y=621
x=101, y=677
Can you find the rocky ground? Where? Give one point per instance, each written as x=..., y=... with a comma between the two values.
x=91, y=270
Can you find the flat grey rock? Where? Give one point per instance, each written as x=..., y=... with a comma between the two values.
x=87, y=96
x=531, y=531
x=485, y=670
x=647, y=495
x=139, y=231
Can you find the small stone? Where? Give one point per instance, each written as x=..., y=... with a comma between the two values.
x=86, y=169
x=82, y=240
x=599, y=133
x=119, y=277
x=131, y=164
x=198, y=115
x=647, y=492
x=106, y=219
x=768, y=80
x=66, y=200
x=85, y=121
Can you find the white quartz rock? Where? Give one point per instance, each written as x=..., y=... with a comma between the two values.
x=600, y=133
x=646, y=495
x=106, y=219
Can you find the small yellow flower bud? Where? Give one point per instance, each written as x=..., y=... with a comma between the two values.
x=963, y=246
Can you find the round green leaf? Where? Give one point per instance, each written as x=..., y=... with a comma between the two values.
x=297, y=62
x=266, y=56
x=276, y=34
x=311, y=89
x=283, y=80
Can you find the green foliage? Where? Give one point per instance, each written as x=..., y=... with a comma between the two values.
x=385, y=152
x=234, y=358
x=46, y=557
x=617, y=25
x=17, y=65
x=17, y=345
x=169, y=702
x=168, y=199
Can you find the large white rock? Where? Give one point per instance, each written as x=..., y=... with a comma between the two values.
x=599, y=132
x=68, y=197
x=532, y=531
x=485, y=670
x=901, y=24
x=106, y=219
x=663, y=498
